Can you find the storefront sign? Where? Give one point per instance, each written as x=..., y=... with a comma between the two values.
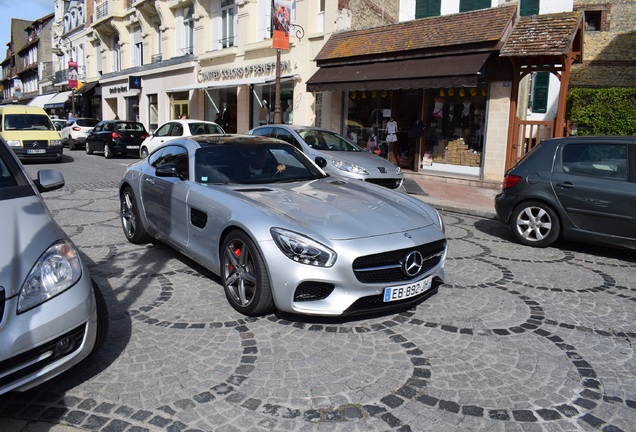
x=119, y=89
x=243, y=72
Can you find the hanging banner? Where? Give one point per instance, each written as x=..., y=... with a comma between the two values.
x=281, y=23
x=73, y=75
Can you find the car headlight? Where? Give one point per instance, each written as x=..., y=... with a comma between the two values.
x=56, y=270
x=14, y=143
x=55, y=142
x=348, y=167
x=302, y=249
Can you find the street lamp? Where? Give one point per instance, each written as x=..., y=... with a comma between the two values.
x=278, y=111
x=67, y=44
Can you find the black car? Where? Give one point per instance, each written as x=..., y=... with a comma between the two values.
x=578, y=188
x=116, y=137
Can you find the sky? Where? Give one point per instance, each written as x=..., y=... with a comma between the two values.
x=23, y=9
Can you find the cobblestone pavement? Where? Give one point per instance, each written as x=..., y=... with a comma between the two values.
x=518, y=339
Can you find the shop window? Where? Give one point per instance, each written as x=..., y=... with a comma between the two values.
x=153, y=112
x=427, y=8
x=529, y=7
x=471, y=5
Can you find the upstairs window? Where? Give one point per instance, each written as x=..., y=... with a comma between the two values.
x=228, y=23
x=427, y=8
x=529, y=7
x=471, y=5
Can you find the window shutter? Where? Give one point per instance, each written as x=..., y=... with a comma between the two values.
x=540, y=92
x=529, y=7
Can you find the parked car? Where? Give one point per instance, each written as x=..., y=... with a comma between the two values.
x=175, y=129
x=29, y=132
x=58, y=123
x=579, y=188
x=116, y=138
x=343, y=157
x=75, y=130
x=280, y=232
x=53, y=313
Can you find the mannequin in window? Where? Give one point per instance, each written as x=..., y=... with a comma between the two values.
x=225, y=117
x=439, y=108
x=391, y=131
x=264, y=114
x=289, y=114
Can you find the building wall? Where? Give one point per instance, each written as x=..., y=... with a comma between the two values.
x=497, y=118
x=608, y=55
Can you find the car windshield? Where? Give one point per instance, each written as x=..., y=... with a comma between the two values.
x=204, y=128
x=327, y=140
x=253, y=164
x=87, y=122
x=130, y=126
x=18, y=122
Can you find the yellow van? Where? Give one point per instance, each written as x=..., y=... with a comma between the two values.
x=29, y=132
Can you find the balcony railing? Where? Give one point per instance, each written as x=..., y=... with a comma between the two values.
x=101, y=10
x=156, y=58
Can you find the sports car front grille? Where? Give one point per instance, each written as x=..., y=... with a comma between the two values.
x=37, y=358
x=386, y=267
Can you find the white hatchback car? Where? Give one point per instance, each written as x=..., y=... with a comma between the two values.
x=75, y=131
x=177, y=129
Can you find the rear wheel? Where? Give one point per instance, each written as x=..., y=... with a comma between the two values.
x=89, y=150
x=244, y=276
x=535, y=224
x=131, y=220
x=108, y=153
x=71, y=145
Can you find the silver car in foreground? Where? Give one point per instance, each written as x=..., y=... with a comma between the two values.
x=343, y=157
x=52, y=314
x=279, y=231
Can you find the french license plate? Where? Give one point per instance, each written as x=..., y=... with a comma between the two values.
x=36, y=151
x=406, y=291
x=132, y=147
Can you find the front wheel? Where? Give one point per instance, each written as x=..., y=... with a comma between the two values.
x=103, y=322
x=535, y=224
x=244, y=276
x=130, y=218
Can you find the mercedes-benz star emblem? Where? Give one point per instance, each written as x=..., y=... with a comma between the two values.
x=413, y=263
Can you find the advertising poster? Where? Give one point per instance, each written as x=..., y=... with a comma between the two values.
x=73, y=75
x=281, y=23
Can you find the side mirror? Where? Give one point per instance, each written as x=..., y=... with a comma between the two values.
x=49, y=180
x=321, y=161
x=167, y=170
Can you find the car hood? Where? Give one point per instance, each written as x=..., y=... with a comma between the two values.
x=364, y=159
x=27, y=231
x=338, y=209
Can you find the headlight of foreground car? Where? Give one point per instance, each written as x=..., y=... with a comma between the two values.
x=302, y=249
x=57, y=270
x=13, y=143
x=346, y=166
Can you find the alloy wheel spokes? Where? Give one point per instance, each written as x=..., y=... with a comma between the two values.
x=238, y=277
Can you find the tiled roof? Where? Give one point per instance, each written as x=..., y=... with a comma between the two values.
x=549, y=34
x=486, y=25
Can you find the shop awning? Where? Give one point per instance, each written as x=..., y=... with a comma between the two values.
x=87, y=87
x=218, y=84
x=58, y=100
x=40, y=100
x=431, y=72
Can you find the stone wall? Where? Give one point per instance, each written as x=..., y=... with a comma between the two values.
x=371, y=13
x=608, y=55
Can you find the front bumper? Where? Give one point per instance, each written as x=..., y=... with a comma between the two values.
x=338, y=290
x=42, y=343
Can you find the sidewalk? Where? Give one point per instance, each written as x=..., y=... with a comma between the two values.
x=460, y=196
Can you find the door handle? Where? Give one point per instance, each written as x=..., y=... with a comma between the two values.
x=565, y=185
x=150, y=181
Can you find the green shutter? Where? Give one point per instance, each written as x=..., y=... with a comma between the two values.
x=471, y=5
x=427, y=8
x=540, y=92
x=529, y=7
